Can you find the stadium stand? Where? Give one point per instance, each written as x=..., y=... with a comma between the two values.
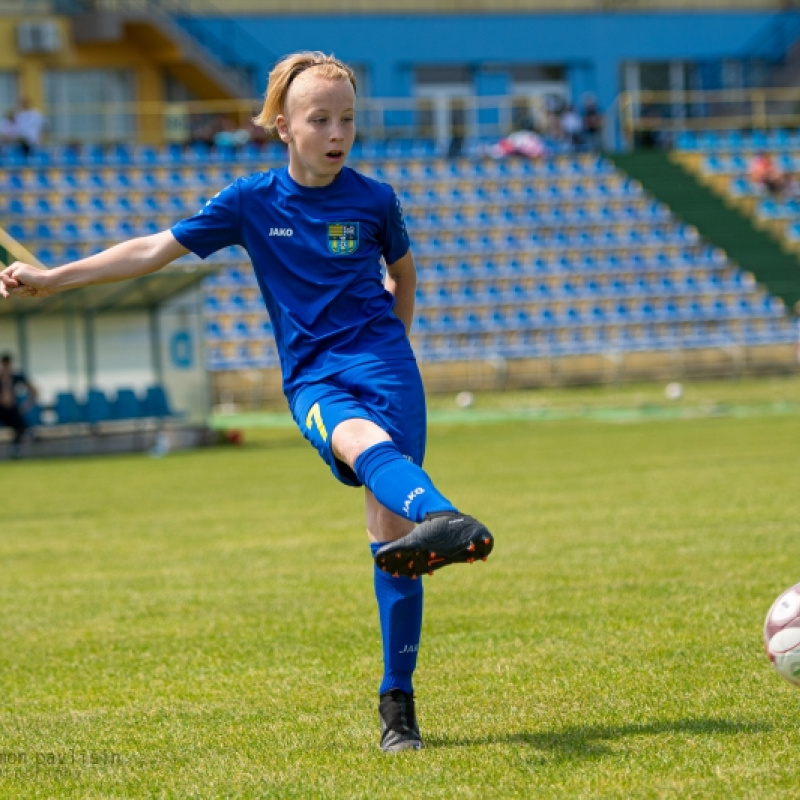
x=517, y=259
x=722, y=161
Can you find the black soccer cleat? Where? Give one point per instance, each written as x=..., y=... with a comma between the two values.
x=399, y=729
x=442, y=538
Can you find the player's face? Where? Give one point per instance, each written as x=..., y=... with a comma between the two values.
x=318, y=124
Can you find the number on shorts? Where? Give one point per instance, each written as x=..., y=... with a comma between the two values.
x=315, y=418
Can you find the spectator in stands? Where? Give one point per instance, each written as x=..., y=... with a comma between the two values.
x=572, y=129
x=203, y=129
x=9, y=133
x=592, y=123
x=230, y=136
x=12, y=409
x=523, y=142
x=30, y=126
x=318, y=234
x=458, y=125
x=764, y=172
x=554, y=107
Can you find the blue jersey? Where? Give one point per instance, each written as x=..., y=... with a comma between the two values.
x=317, y=254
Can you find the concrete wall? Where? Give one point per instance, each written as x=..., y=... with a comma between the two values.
x=592, y=46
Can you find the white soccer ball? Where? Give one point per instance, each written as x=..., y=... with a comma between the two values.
x=465, y=399
x=673, y=391
x=782, y=635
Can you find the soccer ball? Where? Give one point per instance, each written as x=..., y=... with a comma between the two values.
x=782, y=635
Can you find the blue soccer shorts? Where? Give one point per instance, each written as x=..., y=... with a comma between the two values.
x=390, y=394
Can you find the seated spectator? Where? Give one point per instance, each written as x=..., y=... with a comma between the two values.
x=9, y=133
x=30, y=124
x=592, y=123
x=571, y=128
x=230, y=136
x=523, y=142
x=11, y=409
x=765, y=172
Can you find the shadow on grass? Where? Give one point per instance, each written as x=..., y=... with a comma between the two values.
x=593, y=742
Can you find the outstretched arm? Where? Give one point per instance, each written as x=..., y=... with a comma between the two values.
x=130, y=259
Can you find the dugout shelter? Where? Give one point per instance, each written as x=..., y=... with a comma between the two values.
x=114, y=365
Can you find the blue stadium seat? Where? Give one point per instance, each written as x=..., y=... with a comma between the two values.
x=156, y=402
x=65, y=155
x=17, y=206
x=120, y=153
x=239, y=302
x=94, y=154
x=47, y=256
x=98, y=205
x=216, y=359
x=96, y=407
x=96, y=180
x=176, y=204
x=32, y=413
x=16, y=181
x=241, y=330
x=97, y=230
x=197, y=153
x=497, y=321
x=212, y=304
x=669, y=311
x=42, y=182
x=67, y=409
x=44, y=231
x=16, y=231
x=443, y=296
x=597, y=315
x=214, y=331
x=123, y=229
x=126, y=405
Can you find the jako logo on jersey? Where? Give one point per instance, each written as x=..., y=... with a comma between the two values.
x=410, y=499
x=342, y=238
x=281, y=232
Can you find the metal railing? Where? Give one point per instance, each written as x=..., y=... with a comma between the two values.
x=438, y=119
x=633, y=114
x=670, y=112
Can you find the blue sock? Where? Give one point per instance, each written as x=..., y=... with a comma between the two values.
x=400, y=614
x=399, y=484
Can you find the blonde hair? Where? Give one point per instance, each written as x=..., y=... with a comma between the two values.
x=286, y=70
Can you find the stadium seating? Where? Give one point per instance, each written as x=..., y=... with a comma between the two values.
x=516, y=258
x=124, y=410
x=67, y=409
x=96, y=408
x=721, y=161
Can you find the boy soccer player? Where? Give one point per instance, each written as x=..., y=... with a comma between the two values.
x=316, y=232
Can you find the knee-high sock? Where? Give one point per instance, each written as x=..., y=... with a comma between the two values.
x=398, y=483
x=400, y=614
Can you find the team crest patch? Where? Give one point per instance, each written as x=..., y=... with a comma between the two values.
x=342, y=238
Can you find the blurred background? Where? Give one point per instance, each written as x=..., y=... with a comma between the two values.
x=597, y=191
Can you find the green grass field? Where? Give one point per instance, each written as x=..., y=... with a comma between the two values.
x=203, y=625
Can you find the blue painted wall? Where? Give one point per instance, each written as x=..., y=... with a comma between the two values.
x=591, y=46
